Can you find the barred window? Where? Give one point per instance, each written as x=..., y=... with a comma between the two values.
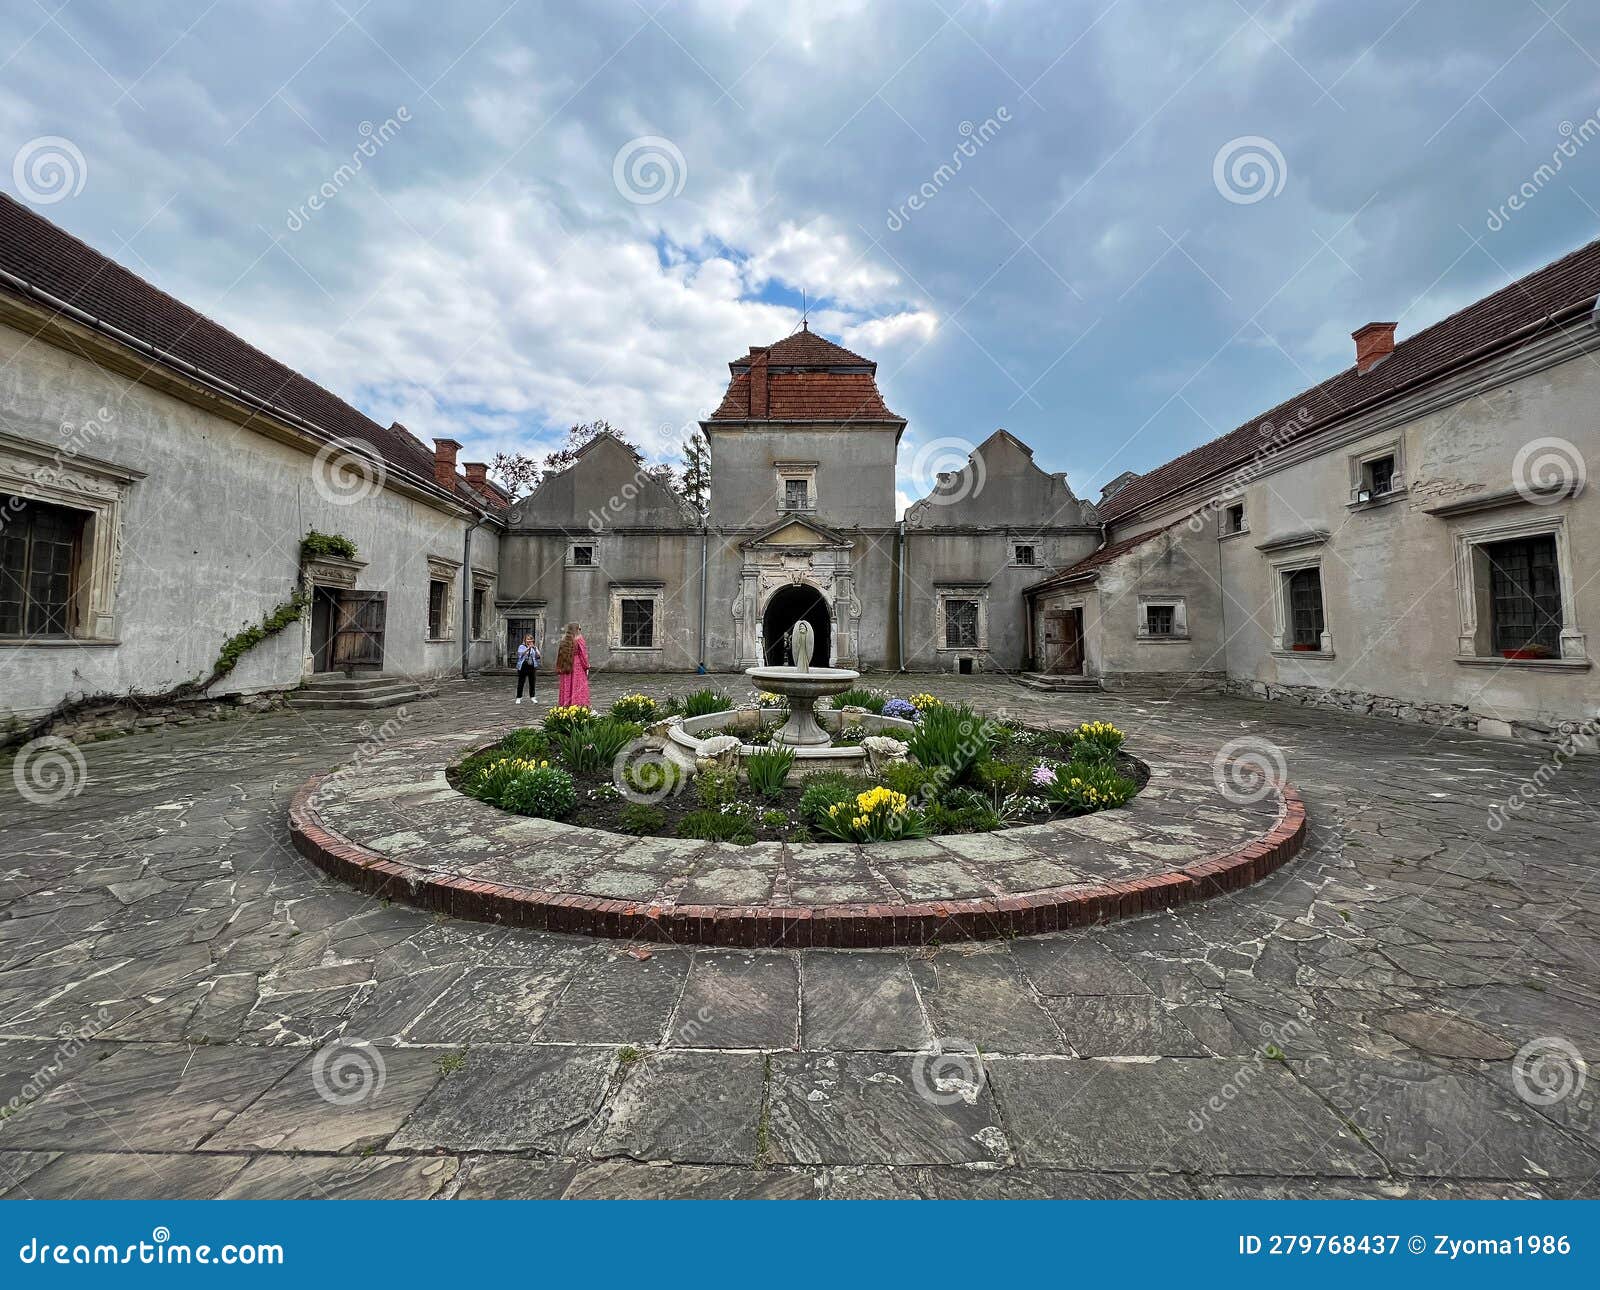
x=1305, y=608
x=438, y=607
x=638, y=623
x=39, y=550
x=1524, y=594
x=1025, y=554
x=961, y=624
x=796, y=494
x=1159, y=620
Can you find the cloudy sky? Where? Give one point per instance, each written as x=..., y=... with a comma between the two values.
x=1116, y=228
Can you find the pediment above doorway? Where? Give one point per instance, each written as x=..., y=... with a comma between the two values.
x=794, y=532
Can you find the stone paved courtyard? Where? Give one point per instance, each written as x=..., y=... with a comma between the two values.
x=189, y=1009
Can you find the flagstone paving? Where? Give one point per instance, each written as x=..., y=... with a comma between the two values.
x=188, y=1008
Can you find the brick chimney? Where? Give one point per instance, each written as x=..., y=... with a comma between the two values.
x=1374, y=343
x=759, y=402
x=444, y=463
x=478, y=477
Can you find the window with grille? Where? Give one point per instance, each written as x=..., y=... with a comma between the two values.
x=583, y=555
x=638, y=623
x=438, y=608
x=1159, y=620
x=480, y=606
x=1024, y=555
x=961, y=624
x=39, y=549
x=796, y=494
x=1234, y=520
x=1524, y=594
x=1305, y=608
x=1379, y=475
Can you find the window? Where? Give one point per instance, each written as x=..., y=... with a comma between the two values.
x=39, y=551
x=1304, y=590
x=1233, y=519
x=961, y=624
x=1377, y=475
x=438, y=608
x=638, y=622
x=1524, y=595
x=480, y=604
x=1024, y=554
x=583, y=555
x=796, y=494
x=1159, y=619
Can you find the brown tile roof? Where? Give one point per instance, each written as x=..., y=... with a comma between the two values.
x=52, y=260
x=809, y=379
x=1092, y=563
x=1570, y=282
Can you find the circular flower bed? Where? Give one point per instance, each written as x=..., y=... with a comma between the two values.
x=945, y=769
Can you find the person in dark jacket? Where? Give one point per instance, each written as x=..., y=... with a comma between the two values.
x=528, y=668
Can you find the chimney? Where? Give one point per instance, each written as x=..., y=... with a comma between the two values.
x=444, y=463
x=1374, y=343
x=759, y=403
x=478, y=476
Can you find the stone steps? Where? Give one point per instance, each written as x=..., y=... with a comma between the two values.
x=1060, y=684
x=359, y=693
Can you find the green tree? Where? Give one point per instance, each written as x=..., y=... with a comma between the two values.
x=697, y=472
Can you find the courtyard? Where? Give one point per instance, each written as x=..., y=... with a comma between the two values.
x=190, y=1008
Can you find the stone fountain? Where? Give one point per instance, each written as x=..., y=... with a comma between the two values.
x=803, y=685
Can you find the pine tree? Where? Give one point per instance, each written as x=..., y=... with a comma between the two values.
x=697, y=472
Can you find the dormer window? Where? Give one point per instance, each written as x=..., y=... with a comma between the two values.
x=797, y=485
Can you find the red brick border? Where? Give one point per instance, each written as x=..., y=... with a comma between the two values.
x=834, y=926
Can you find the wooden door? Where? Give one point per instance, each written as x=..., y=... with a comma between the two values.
x=358, y=631
x=1063, y=641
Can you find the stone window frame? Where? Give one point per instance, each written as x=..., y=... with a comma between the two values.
x=635, y=591
x=1282, y=619
x=978, y=594
x=442, y=569
x=61, y=476
x=1180, y=618
x=1472, y=589
x=1229, y=504
x=592, y=546
x=1360, y=461
x=1031, y=543
x=483, y=581
x=783, y=471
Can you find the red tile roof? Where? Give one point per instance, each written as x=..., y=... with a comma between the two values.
x=1091, y=564
x=55, y=262
x=809, y=378
x=1569, y=283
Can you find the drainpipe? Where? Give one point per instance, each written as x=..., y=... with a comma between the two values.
x=466, y=598
x=703, y=540
x=900, y=596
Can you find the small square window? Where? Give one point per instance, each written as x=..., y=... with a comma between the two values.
x=1159, y=620
x=961, y=624
x=1233, y=519
x=1377, y=475
x=583, y=555
x=796, y=494
x=1024, y=554
x=638, y=623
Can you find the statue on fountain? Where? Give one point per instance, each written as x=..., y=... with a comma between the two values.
x=804, y=685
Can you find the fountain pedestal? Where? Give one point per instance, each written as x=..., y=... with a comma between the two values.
x=803, y=686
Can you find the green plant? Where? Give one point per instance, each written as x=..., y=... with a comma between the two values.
x=954, y=738
x=495, y=777
x=877, y=815
x=916, y=781
x=997, y=776
x=652, y=776
x=767, y=771
x=860, y=697
x=547, y=792
x=774, y=819
x=450, y=1063
x=596, y=744
x=316, y=545
x=715, y=826
x=850, y=736
x=528, y=743
x=558, y=721
x=635, y=707
x=704, y=702
x=241, y=643
x=642, y=819
x=1081, y=787
x=822, y=791
x=1096, y=741
x=716, y=788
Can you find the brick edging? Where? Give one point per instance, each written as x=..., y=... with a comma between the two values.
x=832, y=926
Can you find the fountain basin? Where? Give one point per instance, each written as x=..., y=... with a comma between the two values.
x=803, y=686
x=687, y=736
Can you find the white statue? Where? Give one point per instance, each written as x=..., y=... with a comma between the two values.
x=800, y=642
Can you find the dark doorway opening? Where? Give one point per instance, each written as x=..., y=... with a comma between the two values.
x=324, y=613
x=787, y=607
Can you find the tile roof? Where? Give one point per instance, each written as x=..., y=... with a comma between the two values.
x=809, y=379
x=52, y=260
x=1570, y=282
x=1092, y=563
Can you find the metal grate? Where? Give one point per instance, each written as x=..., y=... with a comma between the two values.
x=1524, y=594
x=961, y=624
x=1305, y=608
x=639, y=624
x=38, y=558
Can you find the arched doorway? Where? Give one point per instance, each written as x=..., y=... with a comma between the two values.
x=787, y=607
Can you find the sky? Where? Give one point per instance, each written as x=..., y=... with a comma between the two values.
x=1116, y=228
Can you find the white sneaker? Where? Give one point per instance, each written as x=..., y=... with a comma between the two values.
x=519, y=700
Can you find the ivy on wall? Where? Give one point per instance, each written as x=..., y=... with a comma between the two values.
x=316, y=545
x=241, y=643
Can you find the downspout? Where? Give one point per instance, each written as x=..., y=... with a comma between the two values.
x=703, y=540
x=466, y=598
x=900, y=596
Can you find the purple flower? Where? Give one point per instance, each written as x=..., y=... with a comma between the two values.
x=1043, y=776
x=900, y=708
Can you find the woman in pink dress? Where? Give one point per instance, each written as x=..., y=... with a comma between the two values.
x=572, y=666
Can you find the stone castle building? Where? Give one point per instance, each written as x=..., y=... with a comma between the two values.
x=1411, y=537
